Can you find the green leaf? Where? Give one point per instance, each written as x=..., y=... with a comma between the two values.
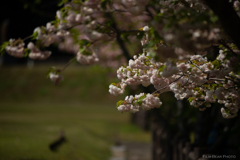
x=129, y=69
x=149, y=57
x=109, y=23
x=113, y=84
x=3, y=46
x=120, y=103
x=190, y=99
x=51, y=70
x=152, y=54
x=137, y=72
x=64, y=10
x=34, y=35
x=214, y=19
x=86, y=53
x=220, y=46
x=84, y=42
x=215, y=97
x=196, y=89
x=75, y=34
x=147, y=63
x=82, y=49
x=227, y=111
x=216, y=64
x=27, y=51
x=64, y=21
x=140, y=100
x=151, y=44
x=160, y=69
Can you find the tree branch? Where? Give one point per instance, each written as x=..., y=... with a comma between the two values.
x=119, y=39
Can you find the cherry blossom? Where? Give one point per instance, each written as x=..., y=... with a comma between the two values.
x=176, y=39
x=56, y=78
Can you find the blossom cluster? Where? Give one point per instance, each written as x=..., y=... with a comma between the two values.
x=142, y=100
x=16, y=48
x=56, y=78
x=197, y=79
x=201, y=81
x=77, y=21
x=35, y=52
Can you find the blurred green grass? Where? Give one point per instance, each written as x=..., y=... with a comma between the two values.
x=22, y=84
x=33, y=111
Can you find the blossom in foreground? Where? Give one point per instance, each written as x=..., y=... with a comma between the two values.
x=35, y=52
x=55, y=78
x=15, y=48
x=201, y=81
x=142, y=100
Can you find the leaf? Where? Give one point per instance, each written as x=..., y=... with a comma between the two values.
x=160, y=69
x=86, y=53
x=129, y=69
x=120, y=103
x=140, y=100
x=34, y=35
x=27, y=51
x=151, y=44
x=147, y=63
x=216, y=64
x=84, y=42
x=109, y=23
x=75, y=34
x=3, y=46
x=214, y=19
x=82, y=49
x=51, y=70
x=220, y=46
x=215, y=97
x=152, y=54
x=190, y=99
x=64, y=11
x=149, y=57
x=227, y=111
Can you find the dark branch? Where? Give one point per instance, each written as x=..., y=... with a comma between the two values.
x=119, y=39
x=226, y=46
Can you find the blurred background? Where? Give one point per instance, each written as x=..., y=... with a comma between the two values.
x=76, y=120
x=34, y=113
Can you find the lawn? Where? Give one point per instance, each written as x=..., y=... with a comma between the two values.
x=33, y=112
